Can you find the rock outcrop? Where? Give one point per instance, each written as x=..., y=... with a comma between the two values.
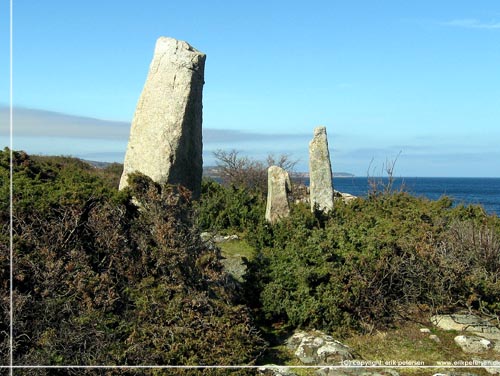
x=320, y=171
x=346, y=197
x=278, y=186
x=357, y=372
x=472, y=324
x=316, y=347
x=166, y=135
x=275, y=370
x=478, y=336
x=473, y=344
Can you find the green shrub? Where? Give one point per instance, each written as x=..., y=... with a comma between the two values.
x=104, y=279
x=373, y=261
x=229, y=209
x=100, y=280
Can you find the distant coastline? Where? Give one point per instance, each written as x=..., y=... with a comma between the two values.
x=479, y=191
x=214, y=172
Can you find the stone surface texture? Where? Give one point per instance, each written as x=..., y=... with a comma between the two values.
x=320, y=171
x=316, y=347
x=473, y=344
x=274, y=370
x=356, y=372
x=435, y=338
x=166, y=134
x=278, y=187
x=468, y=323
x=479, y=336
x=493, y=370
x=346, y=197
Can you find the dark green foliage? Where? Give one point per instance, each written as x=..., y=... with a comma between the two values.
x=4, y=257
x=4, y=297
x=229, y=208
x=365, y=264
x=127, y=371
x=373, y=261
x=112, y=173
x=99, y=280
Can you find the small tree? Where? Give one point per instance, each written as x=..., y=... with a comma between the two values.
x=243, y=172
x=282, y=161
x=378, y=185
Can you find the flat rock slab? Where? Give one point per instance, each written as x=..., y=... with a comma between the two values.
x=355, y=372
x=274, y=370
x=346, y=197
x=454, y=374
x=467, y=323
x=493, y=370
x=473, y=344
x=316, y=347
x=207, y=236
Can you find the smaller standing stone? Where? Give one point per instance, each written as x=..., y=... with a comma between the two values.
x=278, y=186
x=320, y=171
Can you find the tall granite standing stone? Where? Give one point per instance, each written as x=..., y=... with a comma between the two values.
x=320, y=171
x=278, y=186
x=166, y=137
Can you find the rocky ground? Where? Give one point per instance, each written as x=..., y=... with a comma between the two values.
x=233, y=252
x=466, y=345
x=460, y=344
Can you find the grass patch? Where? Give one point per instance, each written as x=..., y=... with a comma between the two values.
x=407, y=343
x=233, y=252
x=237, y=248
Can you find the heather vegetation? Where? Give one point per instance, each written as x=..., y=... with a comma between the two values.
x=101, y=278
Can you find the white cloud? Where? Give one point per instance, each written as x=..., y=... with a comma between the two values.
x=472, y=23
x=211, y=135
x=29, y=122
x=40, y=123
x=53, y=133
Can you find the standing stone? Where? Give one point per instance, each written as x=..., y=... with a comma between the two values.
x=320, y=171
x=278, y=186
x=165, y=139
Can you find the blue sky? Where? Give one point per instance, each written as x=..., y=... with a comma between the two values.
x=421, y=78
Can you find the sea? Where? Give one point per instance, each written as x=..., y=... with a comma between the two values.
x=477, y=191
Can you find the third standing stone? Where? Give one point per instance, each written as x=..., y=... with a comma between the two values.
x=278, y=186
x=165, y=138
x=320, y=171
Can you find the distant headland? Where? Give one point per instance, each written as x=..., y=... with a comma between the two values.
x=214, y=172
